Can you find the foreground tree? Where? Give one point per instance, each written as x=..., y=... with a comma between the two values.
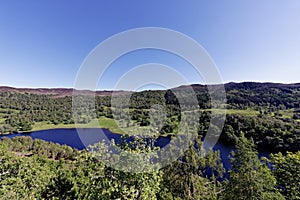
x=193, y=176
x=287, y=173
x=127, y=184
x=249, y=178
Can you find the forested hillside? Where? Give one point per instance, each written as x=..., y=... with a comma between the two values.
x=267, y=112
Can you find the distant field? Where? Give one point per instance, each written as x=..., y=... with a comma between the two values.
x=287, y=113
x=3, y=110
x=102, y=122
x=247, y=112
x=1, y=119
x=109, y=124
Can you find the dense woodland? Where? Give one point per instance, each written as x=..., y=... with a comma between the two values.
x=34, y=169
x=259, y=116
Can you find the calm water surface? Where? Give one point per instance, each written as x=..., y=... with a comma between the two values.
x=72, y=138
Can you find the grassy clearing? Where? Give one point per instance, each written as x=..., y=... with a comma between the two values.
x=247, y=112
x=102, y=122
x=45, y=125
x=108, y=123
x=1, y=119
x=113, y=127
x=287, y=113
x=4, y=110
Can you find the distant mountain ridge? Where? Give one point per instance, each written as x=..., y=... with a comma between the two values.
x=63, y=92
x=57, y=92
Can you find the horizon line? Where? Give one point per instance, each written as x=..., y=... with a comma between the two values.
x=124, y=90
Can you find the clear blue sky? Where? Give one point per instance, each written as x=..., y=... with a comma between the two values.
x=43, y=43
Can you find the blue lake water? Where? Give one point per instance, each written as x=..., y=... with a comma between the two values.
x=80, y=140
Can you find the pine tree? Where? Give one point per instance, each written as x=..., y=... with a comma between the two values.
x=249, y=178
x=287, y=173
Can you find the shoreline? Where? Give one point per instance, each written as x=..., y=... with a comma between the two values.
x=100, y=123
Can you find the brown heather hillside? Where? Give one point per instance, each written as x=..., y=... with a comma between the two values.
x=56, y=92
